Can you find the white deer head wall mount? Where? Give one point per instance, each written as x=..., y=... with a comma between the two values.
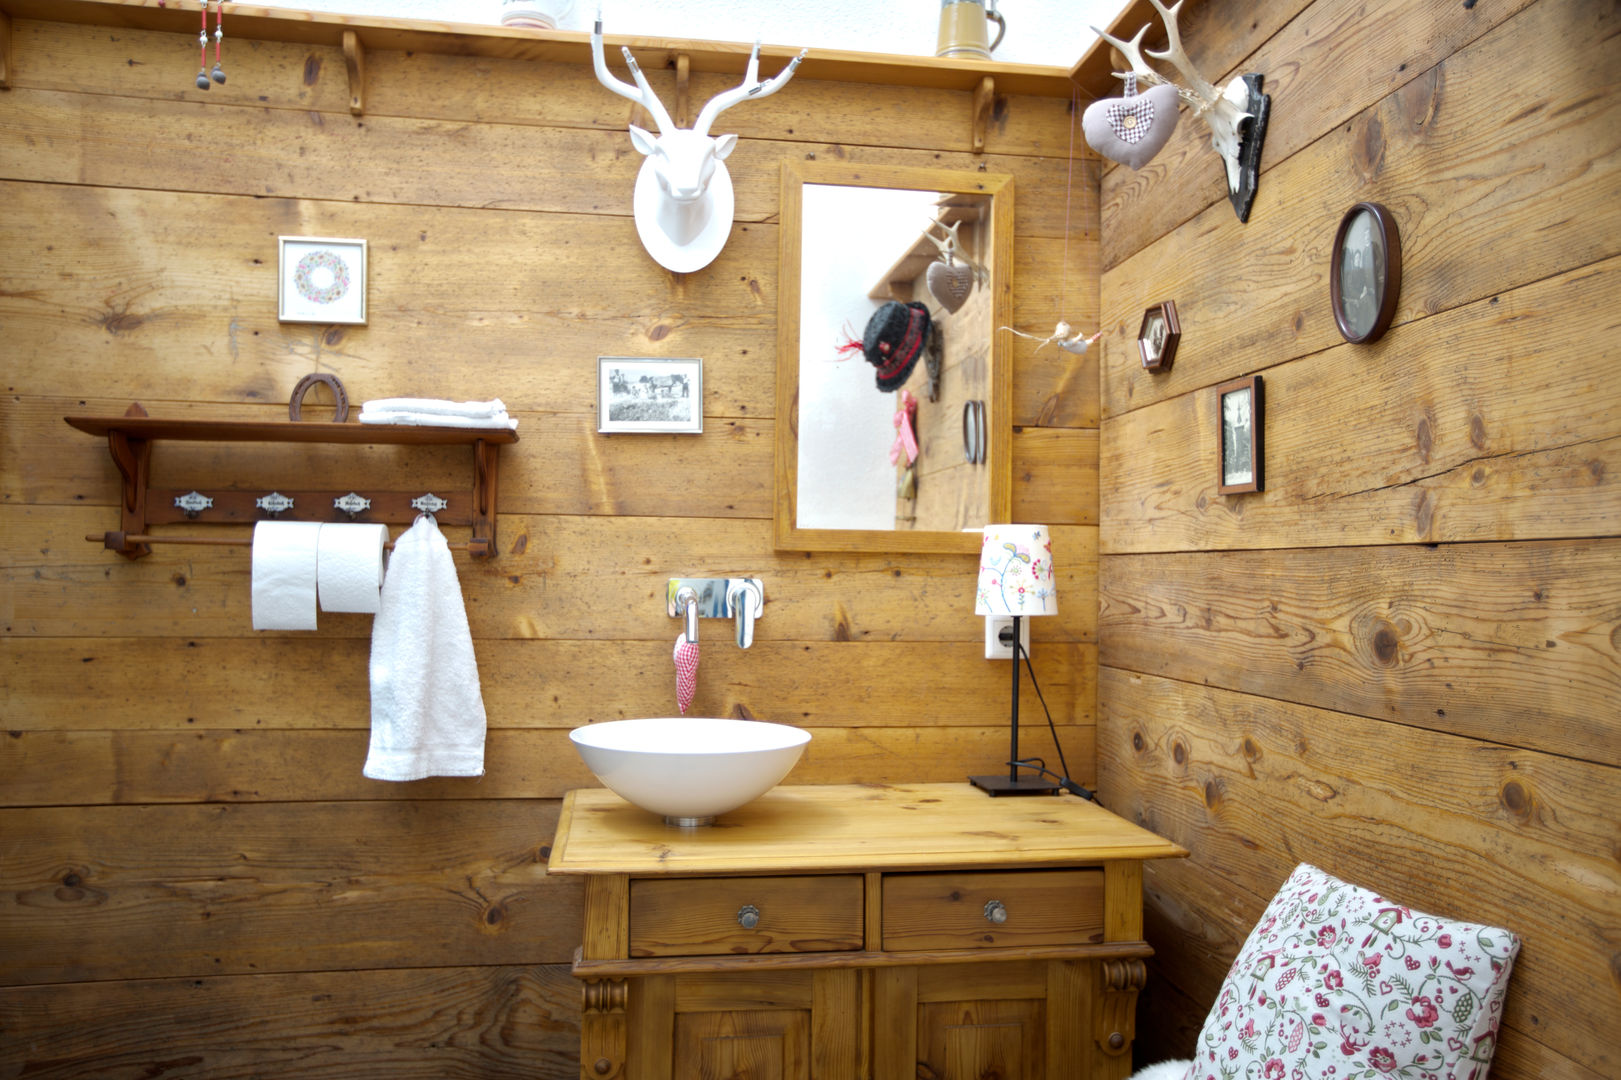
x=683, y=199
x=1236, y=114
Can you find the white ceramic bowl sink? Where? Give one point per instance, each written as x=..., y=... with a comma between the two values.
x=690, y=768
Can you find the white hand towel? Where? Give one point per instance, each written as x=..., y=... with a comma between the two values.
x=427, y=715
x=435, y=405
x=415, y=419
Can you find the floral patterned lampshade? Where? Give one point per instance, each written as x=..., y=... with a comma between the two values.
x=1016, y=572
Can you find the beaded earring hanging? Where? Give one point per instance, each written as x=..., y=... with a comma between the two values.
x=203, y=74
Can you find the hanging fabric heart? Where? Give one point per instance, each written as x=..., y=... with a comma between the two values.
x=950, y=284
x=1131, y=129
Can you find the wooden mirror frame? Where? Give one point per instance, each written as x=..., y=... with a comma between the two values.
x=999, y=408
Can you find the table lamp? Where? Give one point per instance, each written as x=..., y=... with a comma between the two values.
x=1016, y=578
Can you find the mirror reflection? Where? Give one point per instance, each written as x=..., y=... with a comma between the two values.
x=894, y=293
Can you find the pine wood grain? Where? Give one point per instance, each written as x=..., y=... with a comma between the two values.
x=1322, y=63
x=498, y=1021
x=1254, y=786
x=572, y=581
x=483, y=40
x=1470, y=639
x=94, y=768
x=292, y=682
x=1520, y=443
x=380, y=159
x=306, y=683
x=515, y=90
x=280, y=887
x=1424, y=151
x=201, y=781
x=534, y=329
x=827, y=828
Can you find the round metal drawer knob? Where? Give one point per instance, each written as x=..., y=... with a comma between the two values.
x=996, y=912
x=748, y=916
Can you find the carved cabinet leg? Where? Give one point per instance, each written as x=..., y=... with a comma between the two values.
x=602, y=1030
x=1114, y=1021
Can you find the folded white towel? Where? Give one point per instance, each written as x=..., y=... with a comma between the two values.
x=435, y=405
x=427, y=714
x=501, y=420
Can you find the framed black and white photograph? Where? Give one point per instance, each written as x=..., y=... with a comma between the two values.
x=1238, y=406
x=1364, y=278
x=643, y=394
x=322, y=280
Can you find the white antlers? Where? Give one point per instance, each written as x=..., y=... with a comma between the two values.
x=951, y=249
x=683, y=199
x=1225, y=111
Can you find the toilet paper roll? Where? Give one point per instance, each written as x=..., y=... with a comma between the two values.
x=284, y=561
x=349, y=572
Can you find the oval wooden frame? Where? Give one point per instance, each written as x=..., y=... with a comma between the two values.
x=1390, y=287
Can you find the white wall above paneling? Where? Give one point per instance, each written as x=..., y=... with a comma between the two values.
x=1039, y=31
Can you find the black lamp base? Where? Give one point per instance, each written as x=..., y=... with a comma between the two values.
x=1002, y=784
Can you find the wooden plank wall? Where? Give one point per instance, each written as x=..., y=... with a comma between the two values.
x=1402, y=661
x=195, y=879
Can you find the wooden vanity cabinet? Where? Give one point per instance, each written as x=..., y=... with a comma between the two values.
x=843, y=932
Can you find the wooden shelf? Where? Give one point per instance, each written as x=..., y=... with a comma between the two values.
x=375, y=32
x=130, y=438
x=304, y=431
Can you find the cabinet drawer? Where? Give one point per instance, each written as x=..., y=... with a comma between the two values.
x=704, y=917
x=961, y=910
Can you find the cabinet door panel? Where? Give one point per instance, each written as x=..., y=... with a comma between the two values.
x=759, y=1045
x=967, y=1040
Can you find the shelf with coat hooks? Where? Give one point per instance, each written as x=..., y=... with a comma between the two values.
x=130, y=438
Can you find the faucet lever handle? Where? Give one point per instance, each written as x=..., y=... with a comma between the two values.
x=745, y=600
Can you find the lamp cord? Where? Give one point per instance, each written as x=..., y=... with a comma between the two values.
x=1063, y=781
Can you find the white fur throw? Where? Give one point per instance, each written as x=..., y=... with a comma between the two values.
x=1165, y=1070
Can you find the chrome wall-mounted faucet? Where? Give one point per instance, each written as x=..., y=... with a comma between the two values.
x=742, y=599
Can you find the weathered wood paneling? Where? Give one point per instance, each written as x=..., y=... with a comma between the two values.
x=304, y=683
x=134, y=767
x=565, y=577
x=1486, y=199
x=205, y=884
x=1513, y=445
x=1254, y=786
x=1470, y=638
x=169, y=891
x=1402, y=661
x=454, y=1023
x=1322, y=62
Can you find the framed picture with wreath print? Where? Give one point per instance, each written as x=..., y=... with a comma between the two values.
x=322, y=280
x=1238, y=407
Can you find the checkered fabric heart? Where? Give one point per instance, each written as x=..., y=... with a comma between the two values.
x=1132, y=129
x=686, y=672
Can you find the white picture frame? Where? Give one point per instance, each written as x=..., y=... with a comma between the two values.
x=321, y=279
x=650, y=394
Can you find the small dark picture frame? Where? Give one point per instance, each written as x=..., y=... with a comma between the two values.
x=1364, y=274
x=1239, y=427
x=1158, y=335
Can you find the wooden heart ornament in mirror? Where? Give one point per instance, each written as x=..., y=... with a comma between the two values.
x=853, y=238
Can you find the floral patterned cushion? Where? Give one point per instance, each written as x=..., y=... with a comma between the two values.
x=1336, y=983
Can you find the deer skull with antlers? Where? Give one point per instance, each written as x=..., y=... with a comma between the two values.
x=683, y=199
x=1236, y=114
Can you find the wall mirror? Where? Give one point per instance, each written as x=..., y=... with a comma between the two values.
x=852, y=238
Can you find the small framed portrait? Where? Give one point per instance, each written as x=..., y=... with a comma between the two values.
x=650, y=395
x=323, y=280
x=1238, y=406
x=1158, y=335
